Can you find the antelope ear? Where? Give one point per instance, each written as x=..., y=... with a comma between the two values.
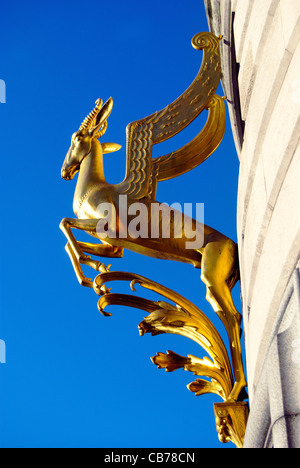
x=104, y=112
x=110, y=147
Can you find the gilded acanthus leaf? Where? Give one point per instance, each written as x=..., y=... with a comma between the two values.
x=170, y=361
x=204, y=367
x=201, y=387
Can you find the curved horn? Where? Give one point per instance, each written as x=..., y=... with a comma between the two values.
x=88, y=121
x=102, y=130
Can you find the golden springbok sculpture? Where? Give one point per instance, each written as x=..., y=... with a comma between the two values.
x=217, y=255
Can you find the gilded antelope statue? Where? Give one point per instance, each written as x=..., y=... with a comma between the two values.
x=217, y=256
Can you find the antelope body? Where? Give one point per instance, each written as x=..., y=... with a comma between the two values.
x=217, y=257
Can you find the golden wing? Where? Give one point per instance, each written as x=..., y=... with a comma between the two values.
x=196, y=151
x=142, y=171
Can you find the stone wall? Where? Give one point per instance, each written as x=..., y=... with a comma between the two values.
x=261, y=67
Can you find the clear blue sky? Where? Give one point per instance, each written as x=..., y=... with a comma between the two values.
x=74, y=378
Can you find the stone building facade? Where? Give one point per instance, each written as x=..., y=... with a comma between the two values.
x=261, y=79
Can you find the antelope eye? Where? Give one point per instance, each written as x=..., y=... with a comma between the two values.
x=77, y=138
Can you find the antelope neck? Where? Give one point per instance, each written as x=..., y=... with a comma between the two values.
x=90, y=173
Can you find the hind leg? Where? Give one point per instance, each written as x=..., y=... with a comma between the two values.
x=218, y=263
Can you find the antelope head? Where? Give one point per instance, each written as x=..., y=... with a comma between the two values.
x=87, y=137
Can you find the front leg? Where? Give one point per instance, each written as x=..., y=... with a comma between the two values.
x=102, y=250
x=83, y=281
x=66, y=225
x=76, y=249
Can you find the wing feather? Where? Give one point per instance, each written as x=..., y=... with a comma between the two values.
x=139, y=156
